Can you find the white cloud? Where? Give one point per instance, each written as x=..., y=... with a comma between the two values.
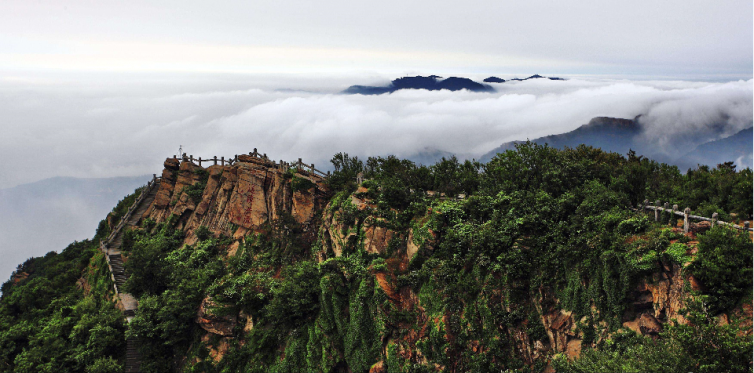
x=113, y=126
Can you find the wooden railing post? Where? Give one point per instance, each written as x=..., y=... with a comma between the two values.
x=686, y=213
x=222, y=161
x=200, y=161
x=215, y=159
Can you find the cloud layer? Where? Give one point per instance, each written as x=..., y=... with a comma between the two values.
x=113, y=126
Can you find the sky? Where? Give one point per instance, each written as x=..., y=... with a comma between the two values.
x=103, y=89
x=678, y=38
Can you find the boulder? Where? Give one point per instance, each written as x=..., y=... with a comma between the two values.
x=172, y=164
x=220, y=325
x=411, y=248
x=700, y=227
x=648, y=325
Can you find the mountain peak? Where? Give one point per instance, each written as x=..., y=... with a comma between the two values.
x=430, y=83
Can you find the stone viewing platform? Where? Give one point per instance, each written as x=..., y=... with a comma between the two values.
x=254, y=157
x=231, y=195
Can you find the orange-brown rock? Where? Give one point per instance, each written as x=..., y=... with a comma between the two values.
x=573, y=349
x=248, y=207
x=411, y=248
x=694, y=283
x=220, y=325
x=236, y=200
x=668, y=295
x=83, y=284
x=303, y=205
x=172, y=164
x=216, y=350
x=376, y=239
x=700, y=227
x=378, y=367
x=648, y=325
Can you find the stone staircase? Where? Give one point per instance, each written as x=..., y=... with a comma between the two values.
x=133, y=360
x=119, y=273
x=111, y=247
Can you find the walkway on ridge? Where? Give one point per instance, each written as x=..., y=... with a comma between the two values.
x=111, y=248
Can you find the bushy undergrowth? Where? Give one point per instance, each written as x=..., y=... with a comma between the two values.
x=538, y=230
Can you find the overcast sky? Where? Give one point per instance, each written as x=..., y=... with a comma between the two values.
x=678, y=38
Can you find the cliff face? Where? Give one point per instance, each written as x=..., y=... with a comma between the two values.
x=253, y=194
x=235, y=200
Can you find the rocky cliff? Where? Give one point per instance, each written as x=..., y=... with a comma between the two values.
x=235, y=200
x=254, y=194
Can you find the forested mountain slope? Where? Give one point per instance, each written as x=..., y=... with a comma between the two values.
x=539, y=265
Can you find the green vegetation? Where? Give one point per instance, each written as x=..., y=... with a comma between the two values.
x=56, y=313
x=538, y=231
x=103, y=229
x=196, y=190
x=721, y=265
x=700, y=346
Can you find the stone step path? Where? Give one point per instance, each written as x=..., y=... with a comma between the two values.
x=116, y=263
x=133, y=221
x=111, y=248
x=133, y=360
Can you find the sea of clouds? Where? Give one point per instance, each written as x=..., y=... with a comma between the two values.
x=104, y=126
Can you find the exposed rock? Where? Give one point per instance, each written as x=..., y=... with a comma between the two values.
x=378, y=367
x=83, y=284
x=411, y=248
x=172, y=164
x=376, y=239
x=700, y=227
x=216, y=350
x=648, y=325
x=385, y=285
x=573, y=349
x=220, y=325
x=694, y=283
x=19, y=276
x=248, y=205
x=303, y=205
x=249, y=324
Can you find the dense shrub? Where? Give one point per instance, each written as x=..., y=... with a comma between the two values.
x=724, y=266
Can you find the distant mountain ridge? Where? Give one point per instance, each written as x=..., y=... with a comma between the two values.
x=430, y=83
x=435, y=83
x=621, y=135
x=47, y=215
x=494, y=79
x=738, y=148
